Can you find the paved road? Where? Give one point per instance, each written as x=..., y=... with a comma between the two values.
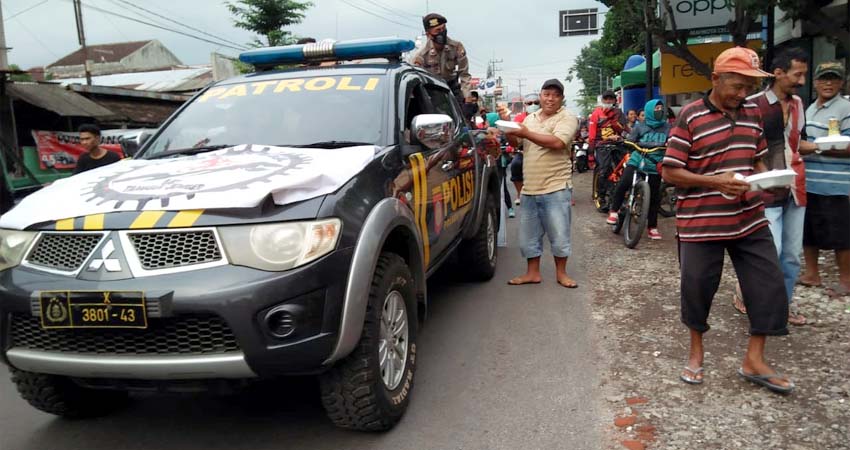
x=500, y=368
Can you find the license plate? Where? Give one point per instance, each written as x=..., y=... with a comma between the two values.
x=93, y=309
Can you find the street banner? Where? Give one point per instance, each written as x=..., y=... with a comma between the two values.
x=62, y=149
x=236, y=177
x=678, y=77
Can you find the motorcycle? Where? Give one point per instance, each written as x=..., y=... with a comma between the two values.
x=581, y=157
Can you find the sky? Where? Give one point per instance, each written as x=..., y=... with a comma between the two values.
x=525, y=38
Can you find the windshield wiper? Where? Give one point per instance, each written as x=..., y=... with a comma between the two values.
x=331, y=144
x=189, y=150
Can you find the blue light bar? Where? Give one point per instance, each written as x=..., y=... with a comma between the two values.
x=325, y=51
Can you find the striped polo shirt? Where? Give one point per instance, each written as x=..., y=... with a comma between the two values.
x=827, y=175
x=706, y=141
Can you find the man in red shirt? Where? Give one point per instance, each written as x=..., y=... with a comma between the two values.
x=715, y=141
x=606, y=122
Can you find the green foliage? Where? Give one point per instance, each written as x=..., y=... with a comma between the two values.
x=269, y=19
x=19, y=77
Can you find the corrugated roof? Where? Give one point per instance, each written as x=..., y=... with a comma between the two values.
x=56, y=98
x=175, y=80
x=139, y=111
x=101, y=53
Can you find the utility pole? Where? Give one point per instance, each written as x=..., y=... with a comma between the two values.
x=648, y=50
x=491, y=73
x=519, y=81
x=4, y=61
x=81, y=35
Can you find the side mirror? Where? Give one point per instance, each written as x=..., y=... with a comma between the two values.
x=433, y=131
x=131, y=145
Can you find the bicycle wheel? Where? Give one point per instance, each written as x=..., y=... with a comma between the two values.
x=667, y=208
x=597, y=200
x=637, y=215
x=621, y=219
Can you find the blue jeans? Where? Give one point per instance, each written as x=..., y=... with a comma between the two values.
x=786, y=226
x=550, y=214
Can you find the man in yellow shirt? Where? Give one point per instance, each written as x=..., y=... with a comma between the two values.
x=546, y=193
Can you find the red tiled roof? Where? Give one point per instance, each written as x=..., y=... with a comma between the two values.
x=101, y=53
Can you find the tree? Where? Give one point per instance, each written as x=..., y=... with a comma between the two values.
x=19, y=77
x=269, y=18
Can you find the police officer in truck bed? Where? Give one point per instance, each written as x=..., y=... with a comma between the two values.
x=444, y=57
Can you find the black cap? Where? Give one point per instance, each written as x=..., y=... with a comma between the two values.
x=433, y=20
x=553, y=84
x=609, y=94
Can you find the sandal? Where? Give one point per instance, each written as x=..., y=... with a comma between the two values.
x=738, y=302
x=691, y=379
x=838, y=290
x=764, y=380
x=797, y=319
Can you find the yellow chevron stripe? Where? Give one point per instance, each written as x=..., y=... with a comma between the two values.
x=423, y=203
x=414, y=170
x=185, y=219
x=93, y=222
x=65, y=224
x=147, y=219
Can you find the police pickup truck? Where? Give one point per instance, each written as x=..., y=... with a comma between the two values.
x=283, y=222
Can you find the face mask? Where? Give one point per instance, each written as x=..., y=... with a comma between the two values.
x=584, y=134
x=606, y=105
x=442, y=38
x=532, y=108
x=658, y=115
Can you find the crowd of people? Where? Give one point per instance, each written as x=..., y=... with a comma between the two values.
x=743, y=126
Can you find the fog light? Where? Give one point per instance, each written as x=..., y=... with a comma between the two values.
x=281, y=322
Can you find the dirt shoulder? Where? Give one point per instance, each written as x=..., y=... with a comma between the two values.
x=644, y=347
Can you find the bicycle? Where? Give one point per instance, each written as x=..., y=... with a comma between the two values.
x=668, y=199
x=634, y=213
x=611, y=159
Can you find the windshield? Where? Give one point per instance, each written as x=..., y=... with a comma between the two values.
x=288, y=112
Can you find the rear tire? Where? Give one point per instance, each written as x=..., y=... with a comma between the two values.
x=478, y=254
x=638, y=214
x=62, y=397
x=355, y=392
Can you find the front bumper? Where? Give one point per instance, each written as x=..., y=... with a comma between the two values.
x=238, y=297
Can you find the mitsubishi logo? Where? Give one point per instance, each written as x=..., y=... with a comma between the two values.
x=111, y=264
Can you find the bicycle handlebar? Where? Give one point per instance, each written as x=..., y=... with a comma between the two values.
x=644, y=150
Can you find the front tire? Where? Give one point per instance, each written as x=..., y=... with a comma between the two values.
x=370, y=389
x=638, y=214
x=62, y=397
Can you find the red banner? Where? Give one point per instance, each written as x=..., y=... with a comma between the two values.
x=63, y=148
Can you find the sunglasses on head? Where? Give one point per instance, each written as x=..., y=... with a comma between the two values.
x=535, y=102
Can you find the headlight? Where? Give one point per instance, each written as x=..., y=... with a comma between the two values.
x=13, y=244
x=280, y=246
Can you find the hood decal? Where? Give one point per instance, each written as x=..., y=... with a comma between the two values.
x=235, y=177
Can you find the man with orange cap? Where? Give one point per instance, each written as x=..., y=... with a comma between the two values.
x=716, y=141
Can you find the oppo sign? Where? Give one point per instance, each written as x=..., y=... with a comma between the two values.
x=696, y=14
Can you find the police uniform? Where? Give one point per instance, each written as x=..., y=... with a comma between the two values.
x=450, y=64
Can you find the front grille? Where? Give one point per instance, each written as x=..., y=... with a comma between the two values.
x=66, y=251
x=182, y=335
x=175, y=249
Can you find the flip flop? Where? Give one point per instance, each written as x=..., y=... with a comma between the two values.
x=797, y=319
x=806, y=284
x=511, y=283
x=764, y=380
x=691, y=379
x=737, y=300
x=569, y=286
x=838, y=290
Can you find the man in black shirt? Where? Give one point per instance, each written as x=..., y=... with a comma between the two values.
x=97, y=156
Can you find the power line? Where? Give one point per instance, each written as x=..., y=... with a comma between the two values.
x=28, y=9
x=177, y=22
x=396, y=11
x=35, y=38
x=372, y=13
x=133, y=19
